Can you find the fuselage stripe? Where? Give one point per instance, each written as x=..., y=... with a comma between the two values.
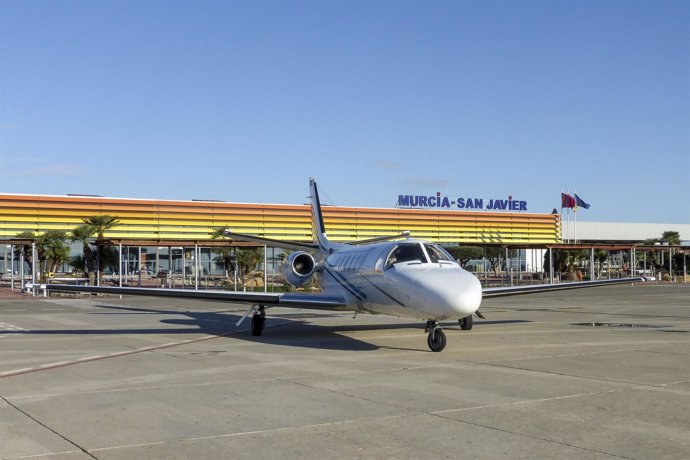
x=347, y=284
x=385, y=293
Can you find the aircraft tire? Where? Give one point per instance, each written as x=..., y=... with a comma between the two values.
x=436, y=339
x=466, y=323
x=257, y=325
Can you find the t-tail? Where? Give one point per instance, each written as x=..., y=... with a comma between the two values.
x=318, y=227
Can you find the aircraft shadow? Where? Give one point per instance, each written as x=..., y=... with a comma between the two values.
x=279, y=330
x=290, y=329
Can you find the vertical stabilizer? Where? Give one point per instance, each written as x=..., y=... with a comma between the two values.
x=318, y=227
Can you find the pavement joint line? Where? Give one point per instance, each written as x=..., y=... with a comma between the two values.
x=123, y=353
x=65, y=438
x=566, y=355
x=517, y=433
x=44, y=455
x=356, y=397
x=285, y=379
x=99, y=357
x=530, y=401
x=547, y=310
x=556, y=398
x=587, y=377
x=258, y=432
x=288, y=379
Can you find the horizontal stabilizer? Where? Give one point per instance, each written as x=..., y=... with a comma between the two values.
x=379, y=239
x=292, y=245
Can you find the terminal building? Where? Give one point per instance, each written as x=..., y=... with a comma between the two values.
x=167, y=235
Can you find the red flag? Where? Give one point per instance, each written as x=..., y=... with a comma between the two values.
x=567, y=201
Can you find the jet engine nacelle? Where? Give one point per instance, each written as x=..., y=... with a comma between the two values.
x=299, y=268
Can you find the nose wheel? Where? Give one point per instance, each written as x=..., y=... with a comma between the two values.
x=437, y=338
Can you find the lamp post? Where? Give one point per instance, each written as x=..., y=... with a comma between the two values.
x=4, y=265
x=12, y=267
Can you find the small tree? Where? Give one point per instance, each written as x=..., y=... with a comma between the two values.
x=464, y=254
x=671, y=237
x=600, y=256
x=493, y=254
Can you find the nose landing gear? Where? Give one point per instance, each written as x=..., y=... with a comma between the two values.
x=437, y=338
x=258, y=321
x=466, y=323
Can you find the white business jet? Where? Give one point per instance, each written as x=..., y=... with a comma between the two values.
x=398, y=276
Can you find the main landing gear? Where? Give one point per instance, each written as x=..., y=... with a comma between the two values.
x=437, y=338
x=258, y=321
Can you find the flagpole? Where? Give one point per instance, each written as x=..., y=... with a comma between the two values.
x=565, y=221
x=562, y=229
x=568, y=219
x=575, y=217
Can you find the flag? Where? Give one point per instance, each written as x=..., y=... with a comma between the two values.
x=580, y=202
x=568, y=201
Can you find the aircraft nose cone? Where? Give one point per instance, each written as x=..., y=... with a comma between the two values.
x=467, y=296
x=452, y=293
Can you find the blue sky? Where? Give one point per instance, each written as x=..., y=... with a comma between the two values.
x=245, y=100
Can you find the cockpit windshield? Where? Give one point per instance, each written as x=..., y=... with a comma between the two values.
x=437, y=253
x=406, y=252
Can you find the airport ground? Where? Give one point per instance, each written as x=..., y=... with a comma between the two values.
x=108, y=378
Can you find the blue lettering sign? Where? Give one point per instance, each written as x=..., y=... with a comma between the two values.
x=439, y=201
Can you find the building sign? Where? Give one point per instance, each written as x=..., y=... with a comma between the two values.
x=443, y=202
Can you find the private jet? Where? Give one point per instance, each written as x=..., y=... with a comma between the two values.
x=396, y=275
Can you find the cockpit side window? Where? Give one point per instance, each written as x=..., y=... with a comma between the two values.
x=436, y=253
x=406, y=252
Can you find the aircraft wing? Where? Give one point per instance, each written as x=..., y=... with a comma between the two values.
x=292, y=300
x=514, y=290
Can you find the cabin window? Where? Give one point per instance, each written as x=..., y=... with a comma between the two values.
x=406, y=252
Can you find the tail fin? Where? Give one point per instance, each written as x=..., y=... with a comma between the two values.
x=318, y=228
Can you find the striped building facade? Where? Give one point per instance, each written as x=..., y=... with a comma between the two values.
x=148, y=219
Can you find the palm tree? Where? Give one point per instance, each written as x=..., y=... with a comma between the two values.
x=52, y=251
x=83, y=235
x=248, y=259
x=226, y=253
x=99, y=225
